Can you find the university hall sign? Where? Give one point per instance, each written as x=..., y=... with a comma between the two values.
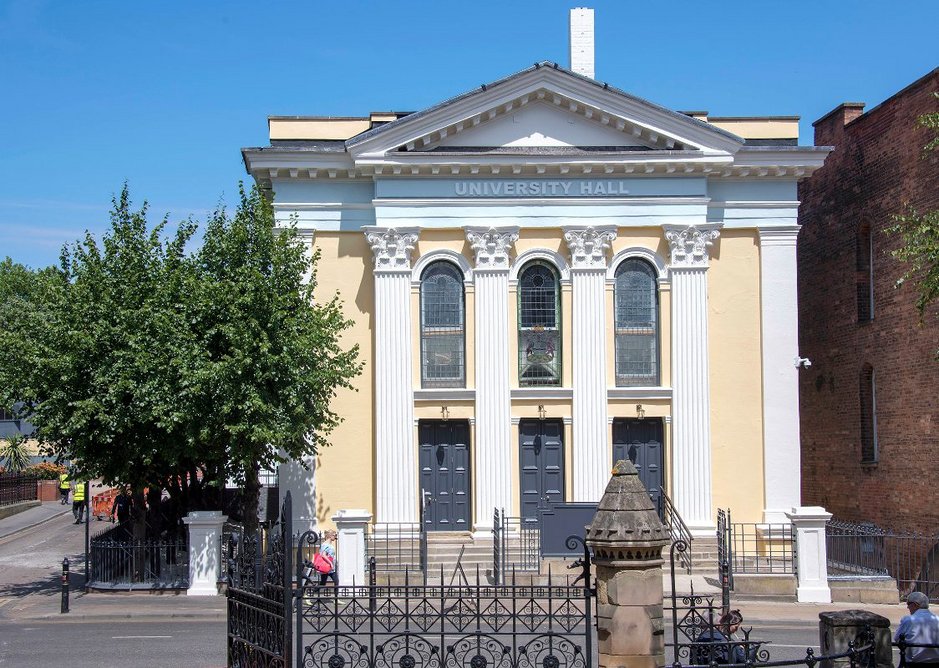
x=541, y=188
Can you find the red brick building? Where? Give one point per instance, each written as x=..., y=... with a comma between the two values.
x=870, y=401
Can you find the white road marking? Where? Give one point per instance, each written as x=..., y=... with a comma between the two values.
x=136, y=637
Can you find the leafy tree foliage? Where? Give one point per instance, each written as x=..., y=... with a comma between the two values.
x=156, y=368
x=14, y=453
x=920, y=236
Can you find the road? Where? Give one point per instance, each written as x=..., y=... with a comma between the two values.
x=76, y=644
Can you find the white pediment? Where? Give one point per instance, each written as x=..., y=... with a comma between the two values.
x=544, y=106
x=541, y=124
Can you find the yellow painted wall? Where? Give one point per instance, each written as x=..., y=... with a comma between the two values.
x=344, y=471
x=736, y=375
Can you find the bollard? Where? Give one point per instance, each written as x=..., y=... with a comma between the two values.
x=64, y=586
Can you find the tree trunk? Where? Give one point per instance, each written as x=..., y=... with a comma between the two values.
x=249, y=499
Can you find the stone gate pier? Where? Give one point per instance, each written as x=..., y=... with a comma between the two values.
x=627, y=538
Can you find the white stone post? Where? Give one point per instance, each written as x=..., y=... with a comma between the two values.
x=350, y=546
x=691, y=387
x=808, y=530
x=492, y=446
x=588, y=247
x=395, y=460
x=205, y=551
x=782, y=468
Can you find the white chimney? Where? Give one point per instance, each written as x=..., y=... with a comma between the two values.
x=581, y=43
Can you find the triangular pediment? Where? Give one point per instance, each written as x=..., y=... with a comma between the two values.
x=543, y=108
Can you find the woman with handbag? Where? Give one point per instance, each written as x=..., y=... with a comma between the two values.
x=325, y=560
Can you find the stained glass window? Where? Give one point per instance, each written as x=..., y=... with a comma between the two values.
x=636, y=324
x=539, y=325
x=443, y=325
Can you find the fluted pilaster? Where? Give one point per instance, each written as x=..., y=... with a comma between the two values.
x=395, y=450
x=493, y=451
x=691, y=392
x=591, y=466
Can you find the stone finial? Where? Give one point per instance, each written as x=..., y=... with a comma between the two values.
x=626, y=529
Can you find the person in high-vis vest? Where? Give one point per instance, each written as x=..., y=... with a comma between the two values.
x=65, y=485
x=78, y=502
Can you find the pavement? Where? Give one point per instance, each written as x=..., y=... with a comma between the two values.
x=33, y=542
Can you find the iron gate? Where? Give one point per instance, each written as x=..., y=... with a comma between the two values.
x=259, y=595
x=527, y=622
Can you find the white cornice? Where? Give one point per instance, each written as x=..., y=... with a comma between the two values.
x=444, y=394
x=542, y=393
x=639, y=393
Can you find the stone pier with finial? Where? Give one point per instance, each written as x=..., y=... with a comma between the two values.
x=627, y=538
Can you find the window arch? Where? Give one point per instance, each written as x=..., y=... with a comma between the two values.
x=539, y=325
x=443, y=326
x=636, y=323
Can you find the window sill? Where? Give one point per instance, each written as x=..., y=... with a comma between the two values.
x=647, y=392
x=444, y=394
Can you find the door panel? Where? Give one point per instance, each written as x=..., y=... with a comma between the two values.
x=640, y=441
x=541, y=465
x=445, y=474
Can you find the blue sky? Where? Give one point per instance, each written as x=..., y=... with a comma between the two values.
x=164, y=95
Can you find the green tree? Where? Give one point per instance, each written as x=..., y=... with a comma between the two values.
x=919, y=233
x=272, y=358
x=14, y=453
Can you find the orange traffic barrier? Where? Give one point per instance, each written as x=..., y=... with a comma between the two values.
x=101, y=504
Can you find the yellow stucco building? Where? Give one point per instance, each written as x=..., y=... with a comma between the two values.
x=546, y=274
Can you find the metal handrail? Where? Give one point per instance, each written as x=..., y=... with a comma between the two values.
x=677, y=529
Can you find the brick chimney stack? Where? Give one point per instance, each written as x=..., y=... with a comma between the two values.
x=581, y=41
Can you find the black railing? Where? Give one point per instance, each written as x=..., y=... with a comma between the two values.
x=516, y=545
x=396, y=546
x=752, y=548
x=725, y=549
x=16, y=488
x=908, y=652
x=865, y=549
x=116, y=561
x=677, y=528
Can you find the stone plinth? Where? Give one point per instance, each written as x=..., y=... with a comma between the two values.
x=205, y=534
x=627, y=538
x=837, y=629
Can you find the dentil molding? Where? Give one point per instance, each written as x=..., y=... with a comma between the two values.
x=689, y=245
x=588, y=245
x=491, y=245
x=392, y=247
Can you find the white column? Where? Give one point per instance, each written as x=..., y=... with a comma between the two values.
x=782, y=468
x=492, y=446
x=299, y=476
x=691, y=388
x=808, y=529
x=350, y=545
x=395, y=461
x=205, y=535
x=590, y=447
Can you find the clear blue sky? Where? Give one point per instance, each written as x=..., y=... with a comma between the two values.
x=165, y=94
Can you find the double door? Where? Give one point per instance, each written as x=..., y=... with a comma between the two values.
x=445, y=474
x=640, y=441
x=541, y=465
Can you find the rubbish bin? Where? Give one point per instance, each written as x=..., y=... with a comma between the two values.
x=837, y=629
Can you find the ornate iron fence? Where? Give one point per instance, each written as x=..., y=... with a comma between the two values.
x=259, y=595
x=522, y=623
x=755, y=548
x=397, y=547
x=16, y=487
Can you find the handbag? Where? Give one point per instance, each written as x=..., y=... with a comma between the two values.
x=322, y=563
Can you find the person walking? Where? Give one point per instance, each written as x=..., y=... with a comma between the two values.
x=920, y=627
x=328, y=550
x=78, y=502
x=65, y=485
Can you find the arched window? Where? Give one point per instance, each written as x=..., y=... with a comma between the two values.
x=539, y=325
x=443, y=327
x=864, y=265
x=636, y=324
x=868, y=398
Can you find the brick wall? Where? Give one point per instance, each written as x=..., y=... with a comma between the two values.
x=877, y=167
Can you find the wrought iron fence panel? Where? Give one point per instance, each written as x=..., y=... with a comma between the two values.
x=396, y=546
x=16, y=487
x=259, y=594
x=117, y=561
x=516, y=545
x=677, y=528
x=517, y=624
x=758, y=548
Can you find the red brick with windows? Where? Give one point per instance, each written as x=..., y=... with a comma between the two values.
x=870, y=401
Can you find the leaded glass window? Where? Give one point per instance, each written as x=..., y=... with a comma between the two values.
x=636, y=324
x=443, y=326
x=539, y=325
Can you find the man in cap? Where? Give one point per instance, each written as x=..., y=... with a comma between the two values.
x=920, y=627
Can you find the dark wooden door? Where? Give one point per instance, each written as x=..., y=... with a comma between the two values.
x=541, y=465
x=640, y=441
x=445, y=474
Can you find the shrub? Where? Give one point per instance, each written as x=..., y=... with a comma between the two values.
x=45, y=470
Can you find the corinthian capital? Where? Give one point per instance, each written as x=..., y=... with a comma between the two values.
x=392, y=247
x=689, y=245
x=491, y=245
x=588, y=245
